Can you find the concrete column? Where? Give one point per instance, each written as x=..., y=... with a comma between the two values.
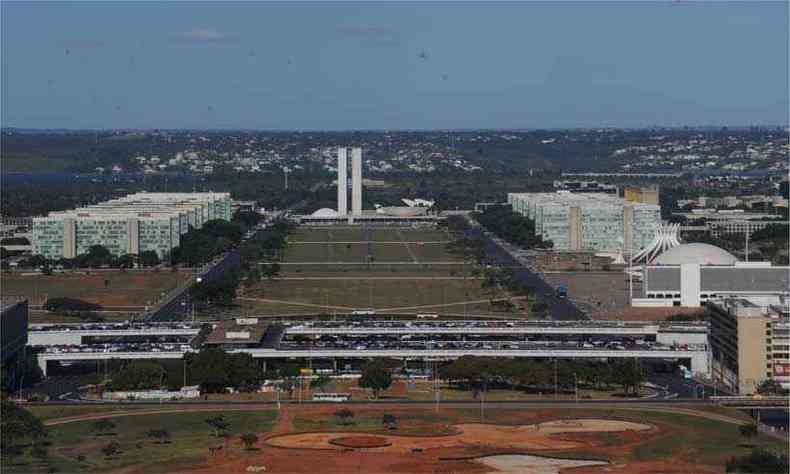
x=689, y=284
x=42, y=364
x=574, y=228
x=342, y=181
x=133, y=236
x=628, y=230
x=69, y=238
x=356, y=181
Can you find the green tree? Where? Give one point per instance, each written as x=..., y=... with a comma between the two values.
x=148, y=258
x=219, y=424
x=389, y=421
x=253, y=277
x=345, y=415
x=111, y=449
x=770, y=387
x=249, y=440
x=748, y=431
x=97, y=256
x=629, y=375
x=214, y=369
x=18, y=428
x=126, y=261
x=160, y=436
x=139, y=375
x=320, y=382
x=103, y=427
x=375, y=376
x=220, y=290
x=759, y=461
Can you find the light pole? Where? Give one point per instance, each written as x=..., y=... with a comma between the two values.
x=556, y=380
x=576, y=387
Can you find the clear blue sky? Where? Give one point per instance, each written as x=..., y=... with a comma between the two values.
x=393, y=65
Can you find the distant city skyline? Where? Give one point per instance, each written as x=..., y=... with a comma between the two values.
x=394, y=66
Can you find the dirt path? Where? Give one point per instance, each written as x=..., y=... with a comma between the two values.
x=284, y=423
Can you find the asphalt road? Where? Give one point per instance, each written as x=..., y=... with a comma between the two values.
x=560, y=309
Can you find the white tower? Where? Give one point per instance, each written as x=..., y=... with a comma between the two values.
x=356, y=181
x=342, y=181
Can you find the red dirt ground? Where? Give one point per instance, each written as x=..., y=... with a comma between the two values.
x=413, y=454
x=360, y=442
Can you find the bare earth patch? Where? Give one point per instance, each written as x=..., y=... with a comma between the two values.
x=536, y=436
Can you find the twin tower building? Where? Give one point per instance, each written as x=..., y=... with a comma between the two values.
x=342, y=181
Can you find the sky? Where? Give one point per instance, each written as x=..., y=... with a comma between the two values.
x=376, y=65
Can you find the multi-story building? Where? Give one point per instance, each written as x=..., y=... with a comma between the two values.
x=13, y=321
x=750, y=344
x=720, y=222
x=128, y=225
x=589, y=221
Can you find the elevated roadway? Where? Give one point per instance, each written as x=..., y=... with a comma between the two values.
x=698, y=359
x=75, y=336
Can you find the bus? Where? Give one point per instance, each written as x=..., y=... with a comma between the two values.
x=331, y=397
x=427, y=316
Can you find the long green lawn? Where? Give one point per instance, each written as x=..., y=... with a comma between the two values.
x=75, y=447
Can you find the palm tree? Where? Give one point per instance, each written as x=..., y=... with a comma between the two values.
x=249, y=440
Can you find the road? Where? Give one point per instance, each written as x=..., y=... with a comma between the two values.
x=560, y=309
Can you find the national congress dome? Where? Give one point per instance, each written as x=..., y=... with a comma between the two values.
x=704, y=254
x=325, y=212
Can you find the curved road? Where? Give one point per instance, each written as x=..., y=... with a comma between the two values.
x=181, y=407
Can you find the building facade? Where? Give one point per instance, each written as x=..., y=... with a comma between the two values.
x=589, y=221
x=750, y=344
x=13, y=319
x=693, y=284
x=129, y=225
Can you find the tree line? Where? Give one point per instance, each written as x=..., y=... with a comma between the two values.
x=480, y=373
x=517, y=229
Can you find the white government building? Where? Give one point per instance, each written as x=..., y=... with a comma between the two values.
x=594, y=222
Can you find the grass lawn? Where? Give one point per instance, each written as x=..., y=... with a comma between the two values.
x=41, y=317
x=64, y=411
x=379, y=294
x=134, y=289
x=416, y=422
x=190, y=439
x=360, y=234
x=691, y=438
x=358, y=252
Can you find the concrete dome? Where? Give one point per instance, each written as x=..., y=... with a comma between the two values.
x=401, y=211
x=704, y=254
x=325, y=212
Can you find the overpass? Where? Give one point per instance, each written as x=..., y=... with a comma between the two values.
x=698, y=359
x=66, y=337
x=485, y=327
x=753, y=402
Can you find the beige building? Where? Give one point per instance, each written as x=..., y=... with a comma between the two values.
x=750, y=344
x=642, y=195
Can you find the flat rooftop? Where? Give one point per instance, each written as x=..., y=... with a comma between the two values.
x=242, y=331
x=569, y=199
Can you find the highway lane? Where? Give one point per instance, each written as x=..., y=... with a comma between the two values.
x=560, y=309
